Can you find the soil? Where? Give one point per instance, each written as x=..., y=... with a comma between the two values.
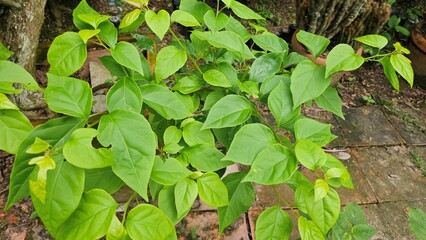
x=364, y=86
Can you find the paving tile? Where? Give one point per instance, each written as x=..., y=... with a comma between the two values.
x=376, y=218
x=410, y=123
x=254, y=214
x=205, y=225
x=368, y=126
x=391, y=173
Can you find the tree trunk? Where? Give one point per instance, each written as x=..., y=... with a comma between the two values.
x=20, y=30
x=342, y=20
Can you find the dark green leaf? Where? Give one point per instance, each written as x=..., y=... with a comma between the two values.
x=280, y=103
x=265, y=66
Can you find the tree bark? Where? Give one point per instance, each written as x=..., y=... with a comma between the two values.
x=20, y=30
x=342, y=20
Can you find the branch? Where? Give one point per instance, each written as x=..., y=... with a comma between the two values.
x=10, y=3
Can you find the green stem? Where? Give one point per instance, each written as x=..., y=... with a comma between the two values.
x=284, y=201
x=186, y=50
x=126, y=207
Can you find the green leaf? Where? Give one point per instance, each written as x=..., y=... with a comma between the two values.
x=193, y=135
x=216, y=78
x=184, y=18
x=172, y=59
x=93, y=19
x=330, y=101
x=402, y=65
x=342, y=58
x=125, y=95
x=159, y=23
x=164, y=102
x=188, y=84
x=344, y=179
x=135, y=25
x=308, y=229
x=249, y=87
x=373, y=40
x=364, y=231
x=172, y=135
x=55, y=132
x=271, y=83
x=195, y=8
x=5, y=103
x=402, y=30
x=66, y=54
x=238, y=28
x=205, y=157
x=324, y=212
x=310, y=154
x=293, y=59
x=265, y=66
x=241, y=196
x=102, y=178
x=307, y=82
x=166, y=202
x=64, y=187
x=92, y=217
x=270, y=42
x=116, y=230
x=14, y=127
x=191, y=102
x=133, y=147
x=38, y=186
x=5, y=53
x=211, y=99
x=129, y=18
x=39, y=146
x=212, y=190
x=127, y=55
x=315, y=43
x=416, y=221
x=229, y=111
x=314, y=131
x=186, y=191
x=69, y=96
x=280, y=103
x=78, y=150
x=273, y=223
x=108, y=34
x=168, y=172
x=390, y=72
x=248, y=142
x=243, y=11
x=215, y=22
x=82, y=8
x=354, y=214
x=148, y=222
x=88, y=34
x=13, y=73
x=321, y=189
x=273, y=165
x=228, y=3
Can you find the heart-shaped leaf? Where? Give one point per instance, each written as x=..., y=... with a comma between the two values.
x=159, y=23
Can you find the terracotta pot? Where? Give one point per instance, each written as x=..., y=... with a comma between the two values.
x=417, y=47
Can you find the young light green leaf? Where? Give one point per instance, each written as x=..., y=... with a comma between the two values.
x=229, y=111
x=270, y=42
x=55, y=132
x=66, y=54
x=248, y=142
x=127, y=55
x=172, y=134
x=171, y=59
x=92, y=217
x=125, y=95
x=321, y=189
x=402, y=65
x=193, y=135
x=133, y=147
x=87, y=34
x=228, y=3
x=139, y=223
x=280, y=103
x=135, y=24
x=39, y=146
x=212, y=190
x=313, y=131
x=116, y=230
x=273, y=165
x=5, y=53
x=62, y=203
x=93, y=19
x=215, y=22
x=38, y=186
x=186, y=191
x=265, y=66
x=102, y=178
x=315, y=43
x=5, y=103
x=14, y=127
x=342, y=58
x=11, y=73
x=168, y=172
x=188, y=84
x=164, y=102
x=129, y=18
x=159, y=23
x=69, y=96
x=273, y=223
x=416, y=221
x=243, y=11
x=308, y=229
x=310, y=154
x=184, y=18
x=205, y=157
x=78, y=150
x=216, y=78
x=249, y=87
x=344, y=179
x=241, y=196
x=390, y=72
x=330, y=101
x=373, y=40
x=324, y=212
x=308, y=81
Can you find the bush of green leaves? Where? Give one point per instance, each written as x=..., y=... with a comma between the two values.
x=169, y=132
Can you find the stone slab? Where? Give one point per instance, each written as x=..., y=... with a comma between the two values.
x=391, y=173
x=99, y=74
x=205, y=225
x=368, y=126
x=375, y=217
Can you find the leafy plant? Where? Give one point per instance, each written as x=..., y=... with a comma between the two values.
x=416, y=220
x=173, y=124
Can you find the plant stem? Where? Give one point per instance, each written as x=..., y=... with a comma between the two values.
x=284, y=201
x=186, y=50
x=126, y=207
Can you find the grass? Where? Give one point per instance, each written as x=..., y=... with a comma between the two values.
x=418, y=161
